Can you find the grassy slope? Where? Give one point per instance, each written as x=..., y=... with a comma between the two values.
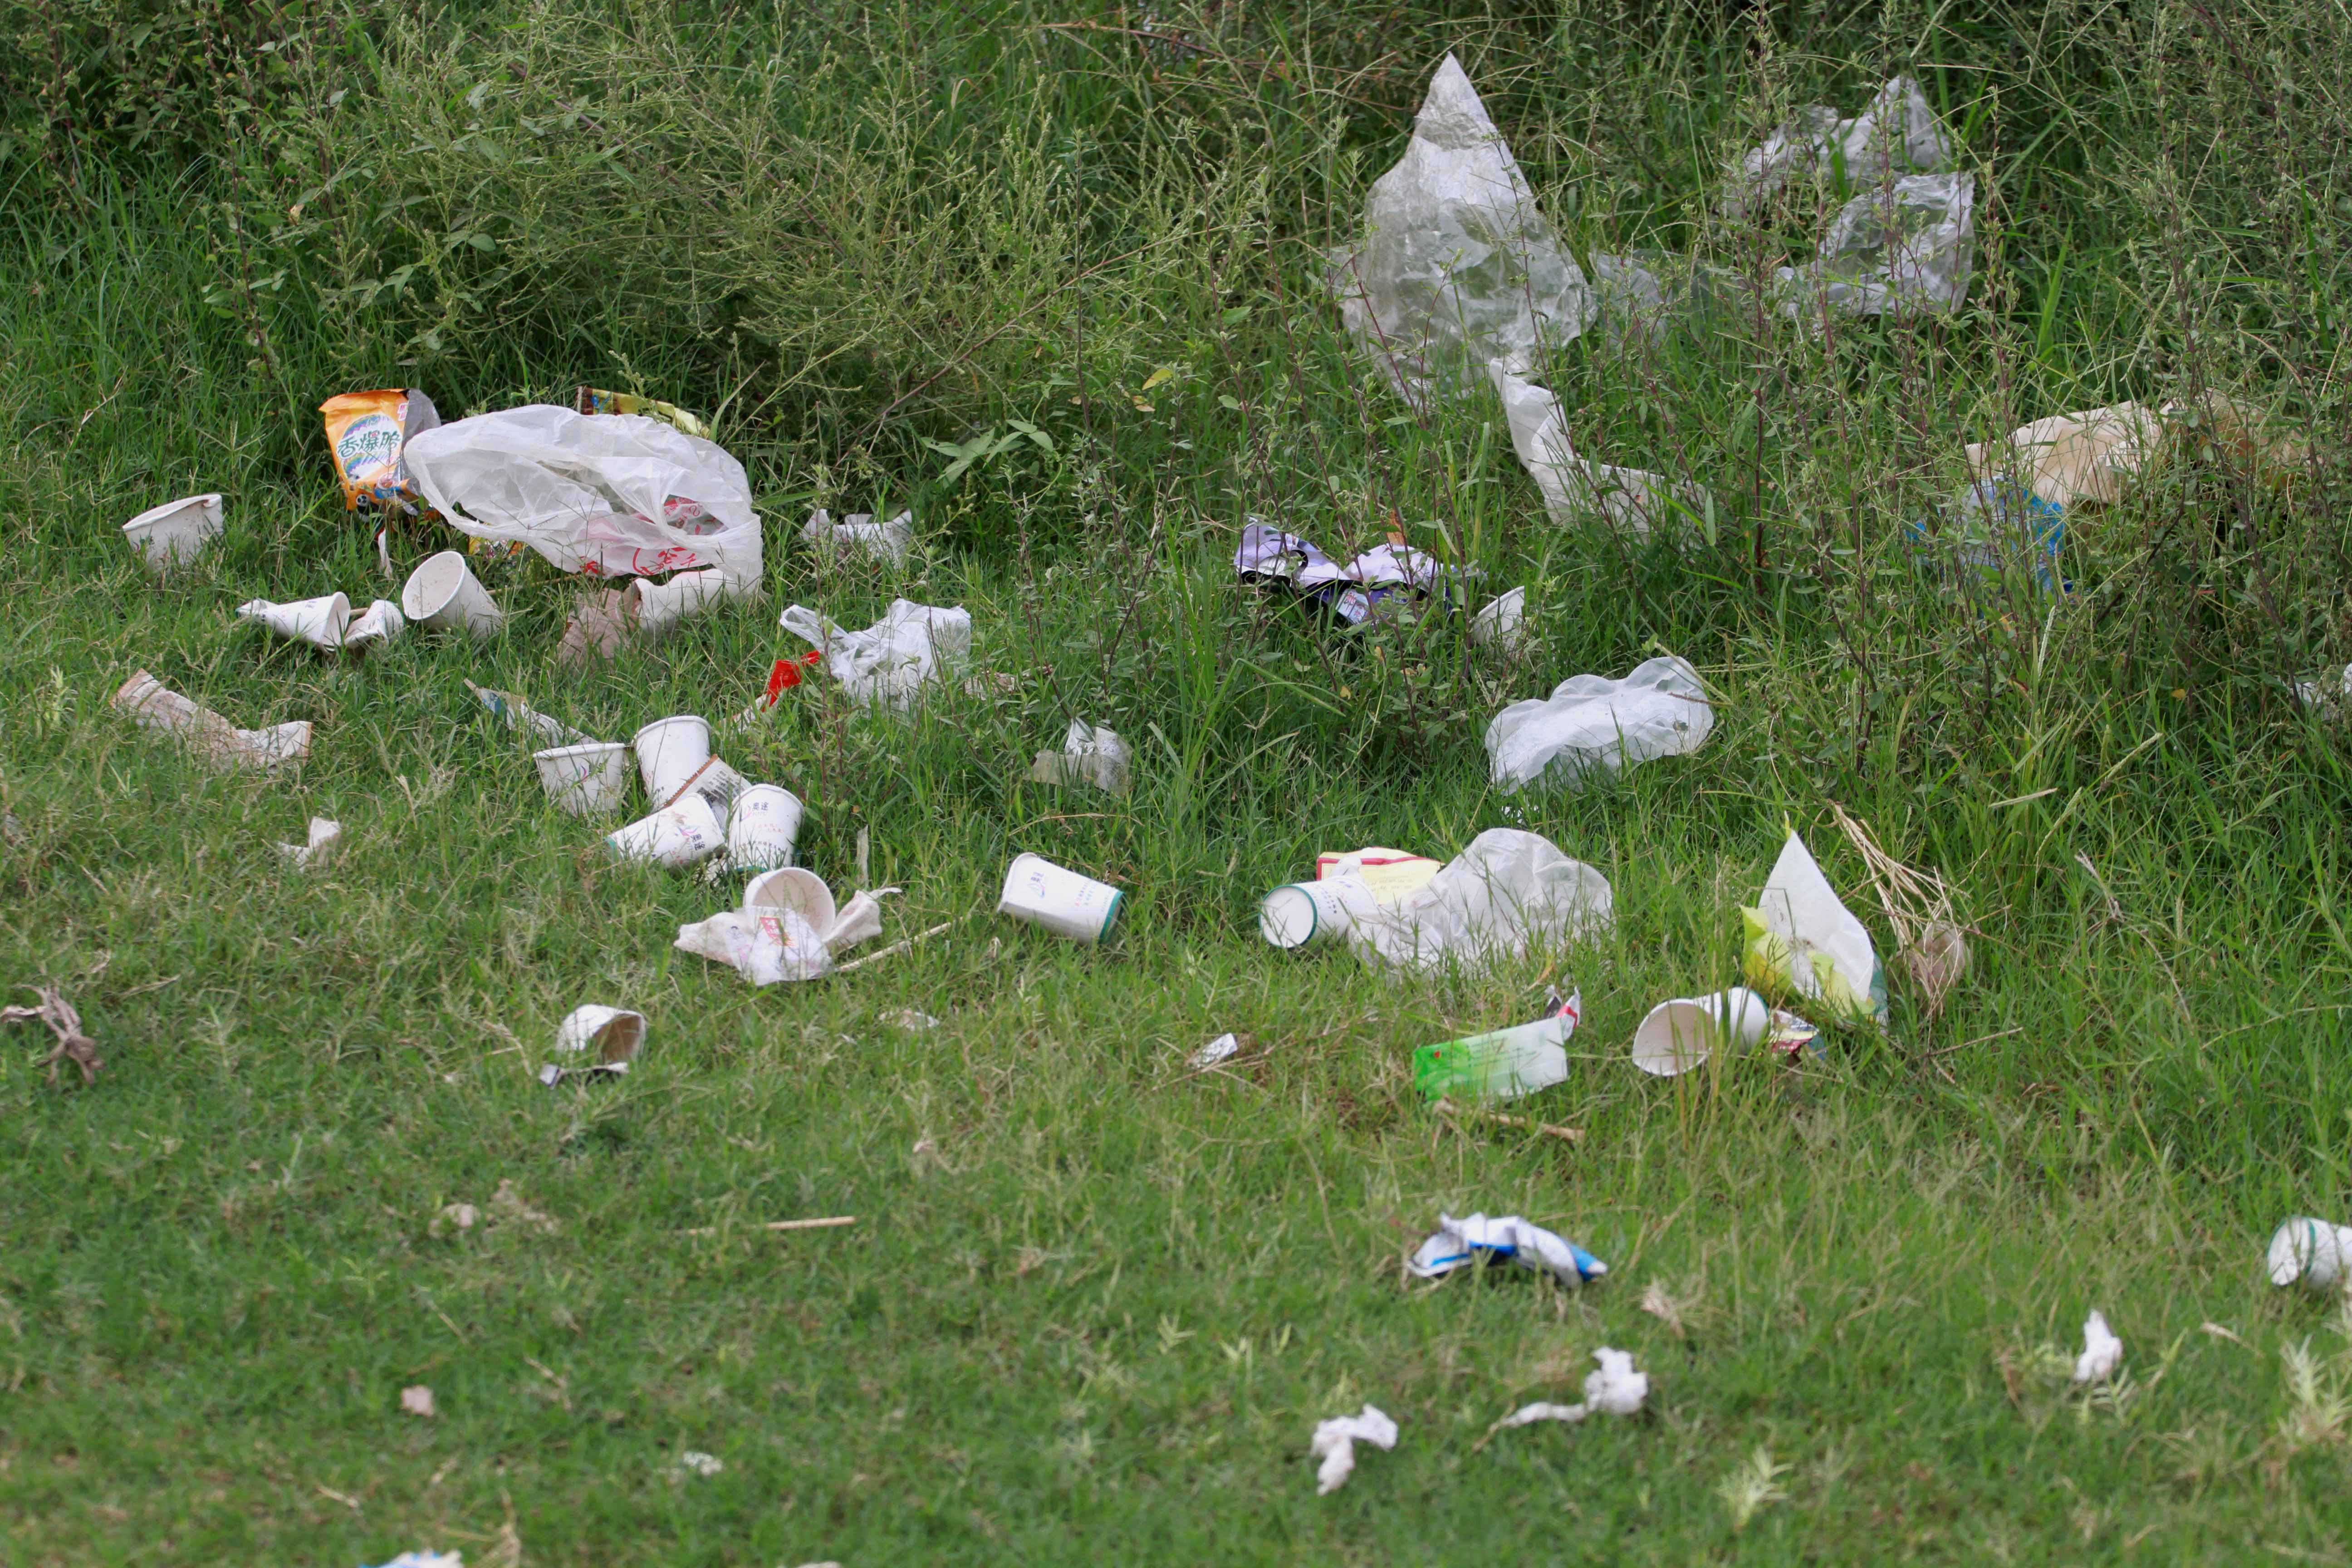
x=1098, y=1314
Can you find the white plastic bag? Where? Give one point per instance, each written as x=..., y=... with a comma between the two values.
x=1801, y=937
x=609, y=494
x=1507, y=891
x=1335, y=1443
x=1631, y=498
x=888, y=542
x=1592, y=722
x=889, y=660
x=1896, y=134
x=1892, y=252
x=1456, y=267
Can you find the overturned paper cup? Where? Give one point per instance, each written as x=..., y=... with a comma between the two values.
x=674, y=835
x=175, y=533
x=762, y=825
x=670, y=751
x=1301, y=914
x=445, y=595
x=1040, y=893
x=793, y=887
x=588, y=780
x=2312, y=1252
x=1680, y=1035
x=609, y=1036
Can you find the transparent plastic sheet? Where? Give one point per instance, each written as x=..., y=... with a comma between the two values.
x=1508, y=890
x=1895, y=133
x=889, y=661
x=1632, y=499
x=1456, y=267
x=1903, y=250
x=1591, y=723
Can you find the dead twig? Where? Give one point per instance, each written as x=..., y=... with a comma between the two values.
x=825, y=1224
x=1470, y=1112
x=895, y=947
x=72, y=1045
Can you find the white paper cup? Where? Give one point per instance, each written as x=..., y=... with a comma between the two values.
x=762, y=825
x=1682, y=1033
x=661, y=606
x=793, y=887
x=587, y=781
x=2312, y=1251
x=674, y=835
x=1040, y=893
x=176, y=532
x=717, y=782
x=610, y=1035
x=1303, y=914
x=445, y=595
x=670, y=751
x=379, y=623
x=321, y=622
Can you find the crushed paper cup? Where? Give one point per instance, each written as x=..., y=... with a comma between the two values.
x=674, y=837
x=1335, y=1443
x=669, y=753
x=176, y=533
x=792, y=888
x=1502, y=1064
x=1503, y=623
x=378, y=624
x=587, y=780
x=321, y=622
x=1038, y=892
x=519, y=715
x=213, y=738
x=2311, y=1251
x=1304, y=915
x=762, y=825
x=715, y=782
x=1459, y=1243
x=661, y=606
x=786, y=929
x=610, y=1035
x=325, y=835
x=445, y=596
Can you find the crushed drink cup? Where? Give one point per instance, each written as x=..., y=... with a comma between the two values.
x=1305, y=914
x=587, y=780
x=445, y=596
x=717, y=782
x=1800, y=937
x=378, y=624
x=213, y=738
x=2311, y=1252
x=763, y=824
x=176, y=533
x=1508, y=1238
x=670, y=751
x=325, y=835
x=676, y=836
x=609, y=1037
x=661, y=606
x=321, y=622
x=1038, y=892
x=1502, y=1064
x=787, y=928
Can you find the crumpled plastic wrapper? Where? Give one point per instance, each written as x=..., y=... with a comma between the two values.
x=1456, y=267
x=1335, y=1444
x=1458, y=1244
x=888, y=541
x=1508, y=890
x=1633, y=499
x=1385, y=582
x=889, y=661
x=1897, y=134
x=1801, y=937
x=1897, y=251
x=1591, y=723
x=1090, y=754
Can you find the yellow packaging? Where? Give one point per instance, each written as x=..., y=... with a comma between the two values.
x=366, y=432
x=595, y=400
x=1392, y=873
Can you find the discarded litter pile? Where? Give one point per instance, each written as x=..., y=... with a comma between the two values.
x=1388, y=582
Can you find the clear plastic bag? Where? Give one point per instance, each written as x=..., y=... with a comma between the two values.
x=1633, y=499
x=1592, y=722
x=1893, y=250
x=609, y=495
x=1507, y=891
x=890, y=661
x=1895, y=134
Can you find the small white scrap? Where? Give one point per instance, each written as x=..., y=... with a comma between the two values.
x=701, y=1464
x=426, y=1560
x=883, y=541
x=2102, y=1352
x=1090, y=753
x=1335, y=1444
x=1529, y=1415
x=910, y=1020
x=326, y=834
x=1616, y=1389
x=417, y=1400
x=1223, y=1049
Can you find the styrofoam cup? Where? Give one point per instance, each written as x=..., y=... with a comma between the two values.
x=674, y=835
x=587, y=781
x=176, y=532
x=1682, y=1033
x=321, y=622
x=445, y=595
x=670, y=751
x=1065, y=903
x=793, y=887
x=2312, y=1251
x=1300, y=914
x=762, y=827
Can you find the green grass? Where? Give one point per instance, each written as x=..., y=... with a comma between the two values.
x=1094, y=1302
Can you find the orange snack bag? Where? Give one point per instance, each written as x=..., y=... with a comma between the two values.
x=365, y=432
